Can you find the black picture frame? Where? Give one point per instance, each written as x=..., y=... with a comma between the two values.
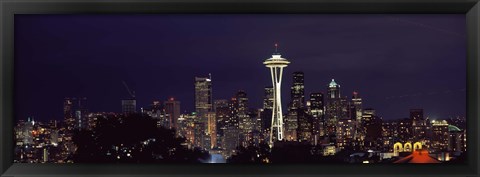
x=9, y=8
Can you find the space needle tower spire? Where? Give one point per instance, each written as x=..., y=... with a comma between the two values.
x=276, y=65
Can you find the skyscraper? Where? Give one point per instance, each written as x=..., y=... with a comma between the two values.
x=157, y=112
x=203, y=105
x=75, y=113
x=297, y=91
x=404, y=130
x=416, y=115
x=336, y=108
x=129, y=106
x=356, y=114
x=333, y=90
x=344, y=133
x=357, y=104
x=203, y=97
x=292, y=119
x=268, y=98
x=316, y=110
x=373, y=128
x=172, y=108
x=418, y=124
x=242, y=111
x=68, y=113
x=222, y=112
x=212, y=129
x=266, y=112
x=441, y=135
x=276, y=65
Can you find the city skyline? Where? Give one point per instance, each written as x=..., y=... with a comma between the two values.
x=102, y=71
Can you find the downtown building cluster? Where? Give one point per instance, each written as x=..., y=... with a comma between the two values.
x=329, y=121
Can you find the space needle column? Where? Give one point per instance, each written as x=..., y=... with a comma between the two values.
x=276, y=65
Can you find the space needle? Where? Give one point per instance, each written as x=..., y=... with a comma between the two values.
x=276, y=65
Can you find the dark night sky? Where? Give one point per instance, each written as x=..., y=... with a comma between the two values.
x=396, y=62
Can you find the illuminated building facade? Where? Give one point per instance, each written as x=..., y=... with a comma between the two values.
x=315, y=106
x=345, y=131
x=298, y=124
x=291, y=126
x=203, y=105
x=456, y=140
x=373, y=129
x=268, y=98
x=336, y=108
x=241, y=111
x=389, y=135
x=203, y=97
x=129, y=106
x=186, y=123
x=356, y=113
x=441, y=135
x=212, y=128
x=75, y=113
x=222, y=114
x=297, y=91
x=172, y=108
x=419, y=125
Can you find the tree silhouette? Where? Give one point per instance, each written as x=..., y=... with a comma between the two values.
x=285, y=152
x=134, y=138
x=252, y=154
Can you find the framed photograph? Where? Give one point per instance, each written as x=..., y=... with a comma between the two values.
x=239, y=88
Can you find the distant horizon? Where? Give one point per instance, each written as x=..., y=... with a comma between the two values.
x=158, y=56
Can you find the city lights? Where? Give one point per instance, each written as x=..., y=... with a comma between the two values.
x=318, y=129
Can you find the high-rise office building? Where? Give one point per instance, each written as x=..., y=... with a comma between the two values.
x=186, y=123
x=203, y=105
x=297, y=91
x=212, y=129
x=241, y=108
x=295, y=116
x=222, y=113
x=268, y=98
x=75, y=113
x=419, y=126
x=27, y=132
x=172, y=108
x=416, y=115
x=441, y=136
x=291, y=125
x=203, y=97
x=333, y=90
x=232, y=120
x=231, y=140
x=266, y=112
x=389, y=135
x=456, y=142
x=335, y=109
x=129, y=106
x=345, y=130
x=404, y=130
x=315, y=106
x=357, y=104
x=68, y=113
x=373, y=129
x=305, y=126
x=356, y=113
x=157, y=112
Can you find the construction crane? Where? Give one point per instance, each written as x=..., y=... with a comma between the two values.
x=132, y=94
